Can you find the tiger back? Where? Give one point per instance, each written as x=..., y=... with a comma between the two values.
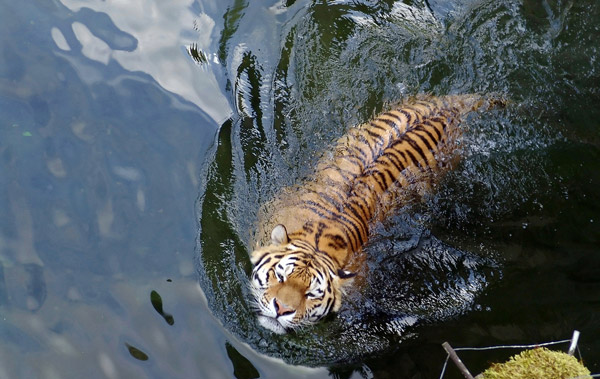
x=312, y=233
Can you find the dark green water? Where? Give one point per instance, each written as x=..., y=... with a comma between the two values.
x=138, y=139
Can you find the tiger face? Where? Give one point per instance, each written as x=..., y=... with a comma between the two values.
x=294, y=285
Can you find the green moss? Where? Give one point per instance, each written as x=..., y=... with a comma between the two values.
x=538, y=363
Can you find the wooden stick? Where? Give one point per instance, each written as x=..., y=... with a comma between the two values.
x=461, y=366
x=574, y=340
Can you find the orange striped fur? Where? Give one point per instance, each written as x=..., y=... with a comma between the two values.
x=317, y=228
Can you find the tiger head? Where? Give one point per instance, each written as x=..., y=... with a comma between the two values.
x=293, y=284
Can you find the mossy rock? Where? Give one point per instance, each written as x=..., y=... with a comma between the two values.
x=538, y=363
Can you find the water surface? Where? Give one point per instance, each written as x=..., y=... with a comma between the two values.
x=137, y=140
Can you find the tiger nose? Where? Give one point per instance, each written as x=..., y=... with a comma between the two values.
x=281, y=309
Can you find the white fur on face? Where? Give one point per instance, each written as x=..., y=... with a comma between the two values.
x=271, y=271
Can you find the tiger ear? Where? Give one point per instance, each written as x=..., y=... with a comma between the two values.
x=279, y=235
x=345, y=274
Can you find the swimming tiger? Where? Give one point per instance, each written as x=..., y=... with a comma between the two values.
x=317, y=228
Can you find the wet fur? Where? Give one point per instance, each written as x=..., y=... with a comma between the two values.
x=312, y=234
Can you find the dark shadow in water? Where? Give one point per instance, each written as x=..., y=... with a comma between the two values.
x=158, y=306
x=136, y=353
x=197, y=54
x=242, y=367
x=231, y=17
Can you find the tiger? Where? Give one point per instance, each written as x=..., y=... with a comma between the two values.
x=318, y=228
